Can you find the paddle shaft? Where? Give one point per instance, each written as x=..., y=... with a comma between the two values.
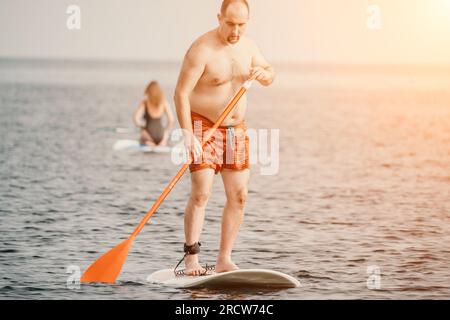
x=183, y=169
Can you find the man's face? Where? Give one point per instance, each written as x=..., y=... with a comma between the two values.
x=234, y=22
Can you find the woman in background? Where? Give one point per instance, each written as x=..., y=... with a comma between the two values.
x=149, y=117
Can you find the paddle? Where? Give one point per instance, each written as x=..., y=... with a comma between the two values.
x=107, y=268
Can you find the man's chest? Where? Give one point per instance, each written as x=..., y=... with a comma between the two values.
x=228, y=65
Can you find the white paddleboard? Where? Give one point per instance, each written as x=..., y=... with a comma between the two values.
x=134, y=145
x=241, y=278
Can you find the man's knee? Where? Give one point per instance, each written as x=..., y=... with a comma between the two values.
x=200, y=199
x=238, y=197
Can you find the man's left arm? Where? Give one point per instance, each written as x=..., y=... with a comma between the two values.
x=261, y=70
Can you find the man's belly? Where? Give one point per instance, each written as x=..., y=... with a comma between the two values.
x=211, y=102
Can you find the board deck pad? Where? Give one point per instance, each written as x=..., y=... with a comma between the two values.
x=241, y=278
x=134, y=145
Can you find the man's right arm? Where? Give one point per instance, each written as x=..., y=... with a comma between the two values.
x=191, y=71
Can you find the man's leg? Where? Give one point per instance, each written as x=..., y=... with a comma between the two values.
x=235, y=183
x=201, y=183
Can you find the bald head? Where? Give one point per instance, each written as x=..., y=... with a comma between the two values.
x=227, y=3
x=233, y=18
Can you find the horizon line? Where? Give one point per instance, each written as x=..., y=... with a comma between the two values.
x=280, y=64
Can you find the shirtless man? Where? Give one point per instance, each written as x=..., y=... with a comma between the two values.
x=214, y=68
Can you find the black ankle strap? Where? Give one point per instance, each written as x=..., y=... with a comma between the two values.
x=192, y=249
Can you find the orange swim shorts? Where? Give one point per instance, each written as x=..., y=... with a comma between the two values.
x=228, y=147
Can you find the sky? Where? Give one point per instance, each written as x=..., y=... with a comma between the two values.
x=287, y=31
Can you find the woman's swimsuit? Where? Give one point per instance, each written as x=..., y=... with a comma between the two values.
x=154, y=126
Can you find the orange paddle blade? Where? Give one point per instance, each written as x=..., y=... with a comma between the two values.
x=107, y=267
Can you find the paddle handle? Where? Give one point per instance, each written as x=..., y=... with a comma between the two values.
x=246, y=86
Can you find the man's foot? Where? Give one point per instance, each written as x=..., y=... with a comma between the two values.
x=224, y=265
x=193, y=268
